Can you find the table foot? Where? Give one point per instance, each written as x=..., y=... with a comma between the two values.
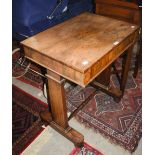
x=70, y=133
x=45, y=116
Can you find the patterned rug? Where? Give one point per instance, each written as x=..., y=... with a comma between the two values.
x=120, y=122
x=26, y=124
x=86, y=150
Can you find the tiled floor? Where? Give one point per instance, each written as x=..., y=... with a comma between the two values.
x=52, y=143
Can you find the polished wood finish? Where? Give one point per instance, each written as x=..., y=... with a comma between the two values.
x=81, y=48
x=78, y=50
x=57, y=99
x=56, y=117
x=125, y=11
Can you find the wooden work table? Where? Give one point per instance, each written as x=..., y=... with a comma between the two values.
x=78, y=50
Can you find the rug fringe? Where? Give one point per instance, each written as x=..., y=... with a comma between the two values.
x=109, y=138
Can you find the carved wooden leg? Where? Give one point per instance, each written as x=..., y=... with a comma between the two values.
x=57, y=114
x=125, y=68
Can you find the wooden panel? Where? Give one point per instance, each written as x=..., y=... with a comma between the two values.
x=118, y=3
x=125, y=11
x=112, y=11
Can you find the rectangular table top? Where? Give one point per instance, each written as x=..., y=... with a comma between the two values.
x=80, y=48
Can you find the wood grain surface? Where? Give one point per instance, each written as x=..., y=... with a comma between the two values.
x=82, y=47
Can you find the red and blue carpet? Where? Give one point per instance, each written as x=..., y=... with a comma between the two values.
x=86, y=150
x=120, y=122
x=26, y=124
